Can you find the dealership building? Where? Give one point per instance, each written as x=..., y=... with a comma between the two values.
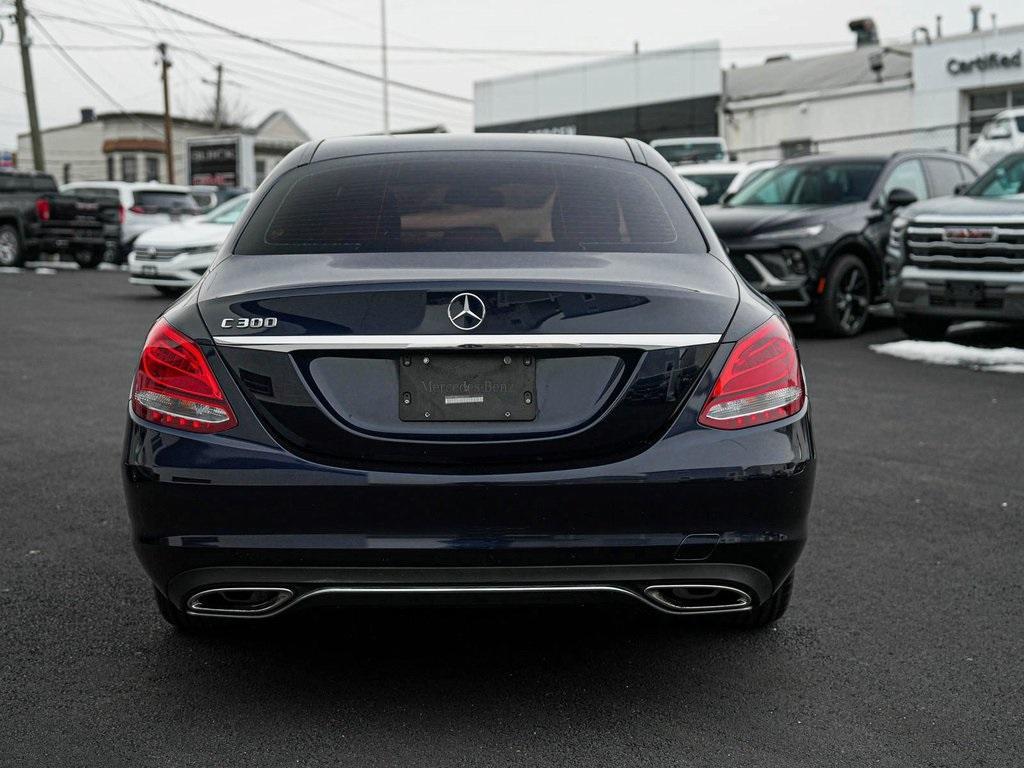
x=932, y=91
x=129, y=146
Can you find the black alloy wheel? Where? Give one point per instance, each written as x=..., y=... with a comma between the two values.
x=844, y=305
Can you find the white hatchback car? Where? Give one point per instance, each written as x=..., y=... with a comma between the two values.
x=173, y=257
x=144, y=205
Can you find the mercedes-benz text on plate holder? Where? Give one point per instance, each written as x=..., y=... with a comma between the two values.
x=477, y=368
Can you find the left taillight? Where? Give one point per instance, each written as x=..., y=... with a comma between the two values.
x=760, y=383
x=43, y=209
x=175, y=386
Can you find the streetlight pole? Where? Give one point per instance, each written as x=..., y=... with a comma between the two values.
x=165, y=64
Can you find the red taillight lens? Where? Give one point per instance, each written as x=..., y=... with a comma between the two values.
x=43, y=209
x=761, y=381
x=175, y=387
x=120, y=214
x=137, y=209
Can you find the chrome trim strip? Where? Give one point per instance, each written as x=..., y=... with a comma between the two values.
x=473, y=341
x=956, y=221
x=972, y=275
x=457, y=590
x=988, y=245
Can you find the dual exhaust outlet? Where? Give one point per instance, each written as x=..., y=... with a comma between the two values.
x=262, y=602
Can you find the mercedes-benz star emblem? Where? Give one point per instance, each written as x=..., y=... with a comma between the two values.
x=466, y=311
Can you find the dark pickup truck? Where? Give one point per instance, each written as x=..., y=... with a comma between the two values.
x=35, y=218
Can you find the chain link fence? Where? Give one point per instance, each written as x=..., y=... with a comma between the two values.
x=954, y=137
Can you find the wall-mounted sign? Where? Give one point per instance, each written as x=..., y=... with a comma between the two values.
x=985, y=63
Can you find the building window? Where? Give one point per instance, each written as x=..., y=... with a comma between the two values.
x=129, y=168
x=152, y=168
x=982, y=106
x=111, y=173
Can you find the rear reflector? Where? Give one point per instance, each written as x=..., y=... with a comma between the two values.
x=175, y=387
x=760, y=383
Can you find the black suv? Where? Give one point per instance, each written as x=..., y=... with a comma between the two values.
x=961, y=258
x=35, y=218
x=811, y=233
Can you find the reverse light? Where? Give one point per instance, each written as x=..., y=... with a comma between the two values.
x=43, y=209
x=175, y=386
x=760, y=383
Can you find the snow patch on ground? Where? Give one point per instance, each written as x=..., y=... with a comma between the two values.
x=1002, y=360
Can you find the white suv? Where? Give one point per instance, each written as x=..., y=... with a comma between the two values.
x=1003, y=135
x=144, y=205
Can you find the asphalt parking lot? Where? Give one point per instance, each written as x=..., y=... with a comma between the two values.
x=904, y=645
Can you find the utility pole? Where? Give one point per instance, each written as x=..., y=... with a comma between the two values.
x=384, y=63
x=38, y=160
x=216, y=98
x=165, y=64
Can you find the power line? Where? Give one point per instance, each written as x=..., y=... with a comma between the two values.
x=87, y=77
x=305, y=56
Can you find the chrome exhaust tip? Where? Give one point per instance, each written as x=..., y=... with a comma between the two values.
x=238, y=601
x=699, y=598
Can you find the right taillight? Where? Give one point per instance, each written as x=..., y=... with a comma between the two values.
x=761, y=381
x=43, y=209
x=175, y=386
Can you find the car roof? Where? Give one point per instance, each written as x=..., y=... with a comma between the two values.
x=601, y=146
x=722, y=167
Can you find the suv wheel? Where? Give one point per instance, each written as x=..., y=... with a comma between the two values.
x=88, y=259
x=10, y=247
x=843, y=308
x=924, y=328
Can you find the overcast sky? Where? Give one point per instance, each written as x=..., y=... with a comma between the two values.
x=122, y=61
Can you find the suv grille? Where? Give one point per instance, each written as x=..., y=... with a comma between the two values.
x=156, y=254
x=979, y=244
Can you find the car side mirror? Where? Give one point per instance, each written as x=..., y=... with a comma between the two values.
x=899, y=198
x=960, y=188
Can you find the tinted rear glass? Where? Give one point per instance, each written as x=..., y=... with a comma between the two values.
x=471, y=201
x=154, y=201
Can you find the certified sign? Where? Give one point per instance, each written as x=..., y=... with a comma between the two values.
x=984, y=63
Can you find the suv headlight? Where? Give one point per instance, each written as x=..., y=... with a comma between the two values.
x=794, y=234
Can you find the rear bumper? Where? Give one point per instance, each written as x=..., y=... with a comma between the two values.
x=997, y=295
x=697, y=507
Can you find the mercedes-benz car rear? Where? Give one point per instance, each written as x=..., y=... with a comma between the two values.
x=481, y=368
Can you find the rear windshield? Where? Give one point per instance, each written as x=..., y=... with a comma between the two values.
x=154, y=201
x=17, y=183
x=471, y=201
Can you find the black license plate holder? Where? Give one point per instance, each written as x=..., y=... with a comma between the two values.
x=961, y=292
x=467, y=386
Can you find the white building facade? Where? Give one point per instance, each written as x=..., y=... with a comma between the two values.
x=116, y=146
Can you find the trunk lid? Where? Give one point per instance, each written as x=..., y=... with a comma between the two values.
x=331, y=351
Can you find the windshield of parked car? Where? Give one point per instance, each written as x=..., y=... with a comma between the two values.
x=691, y=151
x=472, y=201
x=1004, y=179
x=714, y=183
x=228, y=213
x=816, y=183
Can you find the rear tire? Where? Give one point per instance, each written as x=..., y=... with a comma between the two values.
x=922, y=327
x=768, y=612
x=177, y=618
x=11, y=252
x=88, y=259
x=843, y=307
